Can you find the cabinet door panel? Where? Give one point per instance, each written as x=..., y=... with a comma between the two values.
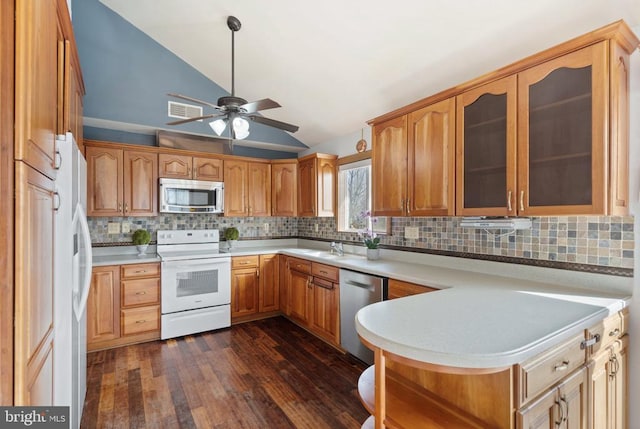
x=141, y=183
x=174, y=166
x=259, y=183
x=389, y=167
x=431, y=160
x=269, y=279
x=284, y=189
x=326, y=187
x=486, y=149
x=244, y=292
x=561, y=141
x=573, y=396
x=105, y=191
x=299, y=296
x=103, y=305
x=235, y=188
x=542, y=414
x=307, y=191
x=325, y=311
x=38, y=79
x=208, y=169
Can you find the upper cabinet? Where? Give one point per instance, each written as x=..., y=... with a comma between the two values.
x=413, y=163
x=545, y=136
x=187, y=167
x=486, y=150
x=316, y=185
x=284, y=187
x=121, y=182
x=247, y=188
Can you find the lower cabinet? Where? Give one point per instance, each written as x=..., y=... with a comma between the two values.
x=399, y=289
x=562, y=407
x=123, y=306
x=314, y=298
x=254, y=287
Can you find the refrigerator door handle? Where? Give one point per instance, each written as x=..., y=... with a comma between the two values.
x=79, y=305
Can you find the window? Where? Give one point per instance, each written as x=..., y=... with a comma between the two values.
x=354, y=198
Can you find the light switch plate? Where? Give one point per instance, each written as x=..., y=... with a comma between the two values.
x=265, y=226
x=411, y=232
x=126, y=227
x=316, y=227
x=113, y=228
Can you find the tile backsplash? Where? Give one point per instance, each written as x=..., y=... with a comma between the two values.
x=594, y=240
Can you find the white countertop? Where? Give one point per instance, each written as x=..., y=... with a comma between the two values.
x=487, y=315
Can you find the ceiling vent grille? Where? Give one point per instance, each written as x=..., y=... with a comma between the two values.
x=184, y=111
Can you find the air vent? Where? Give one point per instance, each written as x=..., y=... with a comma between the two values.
x=184, y=111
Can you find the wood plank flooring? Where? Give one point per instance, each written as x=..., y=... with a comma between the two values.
x=264, y=374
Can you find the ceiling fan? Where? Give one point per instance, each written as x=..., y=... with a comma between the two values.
x=234, y=110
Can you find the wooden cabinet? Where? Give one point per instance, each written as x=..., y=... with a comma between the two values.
x=121, y=182
x=563, y=407
x=299, y=290
x=73, y=94
x=33, y=319
x=284, y=187
x=178, y=166
x=316, y=185
x=413, y=163
x=254, y=287
x=399, y=289
x=247, y=188
x=103, y=305
x=123, y=306
x=540, y=146
x=608, y=387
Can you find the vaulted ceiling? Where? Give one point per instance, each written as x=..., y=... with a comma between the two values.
x=335, y=64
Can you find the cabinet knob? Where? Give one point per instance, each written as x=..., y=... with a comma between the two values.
x=614, y=333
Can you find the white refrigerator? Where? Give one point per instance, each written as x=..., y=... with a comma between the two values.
x=72, y=279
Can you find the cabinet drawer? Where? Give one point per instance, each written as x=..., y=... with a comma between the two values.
x=140, y=270
x=245, y=261
x=325, y=271
x=609, y=330
x=543, y=371
x=398, y=289
x=140, y=292
x=320, y=282
x=140, y=319
x=300, y=265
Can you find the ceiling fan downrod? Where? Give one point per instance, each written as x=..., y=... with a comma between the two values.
x=234, y=25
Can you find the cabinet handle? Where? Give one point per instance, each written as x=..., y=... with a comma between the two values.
x=119, y=207
x=140, y=271
x=141, y=293
x=244, y=262
x=140, y=321
x=57, y=162
x=402, y=205
x=509, y=207
x=521, y=201
x=126, y=207
x=257, y=272
x=561, y=367
x=408, y=206
x=560, y=414
x=591, y=341
x=614, y=333
x=57, y=201
x=565, y=414
x=615, y=366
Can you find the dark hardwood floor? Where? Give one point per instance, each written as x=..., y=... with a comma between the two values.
x=264, y=374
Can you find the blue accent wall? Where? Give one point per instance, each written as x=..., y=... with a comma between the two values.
x=127, y=77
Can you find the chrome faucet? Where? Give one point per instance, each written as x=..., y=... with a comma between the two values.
x=337, y=247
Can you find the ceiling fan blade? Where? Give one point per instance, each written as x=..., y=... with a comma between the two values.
x=264, y=104
x=274, y=123
x=195, y=118
x=195, y=100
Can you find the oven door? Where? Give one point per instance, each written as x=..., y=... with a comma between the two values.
x=195, y=283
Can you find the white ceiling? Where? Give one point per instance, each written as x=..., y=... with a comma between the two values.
x=335, y=64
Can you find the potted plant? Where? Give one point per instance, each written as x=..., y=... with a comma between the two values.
x=370, y=238
x=231, y=234
x=141, y=238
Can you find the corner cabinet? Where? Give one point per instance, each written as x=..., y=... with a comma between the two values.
x=121, y=182
x=317, y=185
x=247, y=188
x=413, y=163
x=255, y=291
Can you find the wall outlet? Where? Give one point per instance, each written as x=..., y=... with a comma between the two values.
x=126, y=227
x=316, y=227
x=411, y=232
x=113, y=228
x=265, y=227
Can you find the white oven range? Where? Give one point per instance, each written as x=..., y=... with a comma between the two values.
x=195, y=282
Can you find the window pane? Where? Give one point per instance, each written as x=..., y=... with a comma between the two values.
x=357, y=197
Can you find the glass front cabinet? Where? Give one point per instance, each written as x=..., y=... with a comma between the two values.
x=539, y=142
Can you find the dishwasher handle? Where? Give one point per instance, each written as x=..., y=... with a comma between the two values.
x=367, y=286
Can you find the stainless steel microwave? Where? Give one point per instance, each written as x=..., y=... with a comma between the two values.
x=191, y=196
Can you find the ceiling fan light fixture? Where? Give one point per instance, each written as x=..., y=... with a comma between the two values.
x=218, y=126
x=240, y=128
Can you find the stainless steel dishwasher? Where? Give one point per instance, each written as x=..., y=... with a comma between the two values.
x=357, y=290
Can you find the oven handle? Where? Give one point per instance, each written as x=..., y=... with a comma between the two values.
x=189, y=263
